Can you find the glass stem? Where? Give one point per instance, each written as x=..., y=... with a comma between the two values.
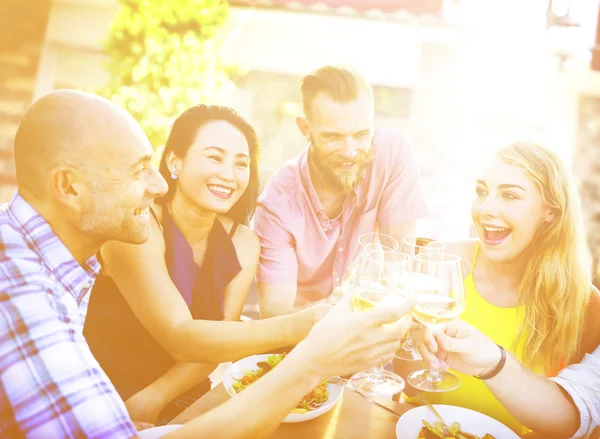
x=434, y=376
x=408, y=345
x=377, y=377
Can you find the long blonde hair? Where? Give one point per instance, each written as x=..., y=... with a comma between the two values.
x=555, y=287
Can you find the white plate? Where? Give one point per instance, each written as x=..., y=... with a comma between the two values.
x=239, y=368
x=410, y=423
x=157, y=432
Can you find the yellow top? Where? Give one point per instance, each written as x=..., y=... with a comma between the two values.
x=501, y=325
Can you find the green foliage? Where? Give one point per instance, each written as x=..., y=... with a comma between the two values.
x=164, y=57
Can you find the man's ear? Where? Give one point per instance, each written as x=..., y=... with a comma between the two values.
x=66, y=188
x=303, y=126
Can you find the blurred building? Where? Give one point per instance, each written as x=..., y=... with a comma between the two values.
x=22, y=35
x=463, y=77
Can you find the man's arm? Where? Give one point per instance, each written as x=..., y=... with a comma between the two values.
x=277, y=276
x=582, y=383
x=537, y=402
x=49, y=381
x=340, y=344
x=258, y=410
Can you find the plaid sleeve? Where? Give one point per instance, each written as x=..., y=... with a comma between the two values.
x=50, y=384
x=582, y=382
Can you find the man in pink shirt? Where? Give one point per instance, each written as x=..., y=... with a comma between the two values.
x=352, y=179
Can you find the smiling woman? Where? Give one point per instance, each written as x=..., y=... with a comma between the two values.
x=149, y=312
x=528, y=285
x=223, y=153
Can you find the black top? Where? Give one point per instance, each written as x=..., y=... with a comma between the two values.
x=128, y=354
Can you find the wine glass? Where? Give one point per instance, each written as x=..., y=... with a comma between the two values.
x=437, y=283
x=375, y=286
x=367, y=241
x=412, y=246
x=385, y=241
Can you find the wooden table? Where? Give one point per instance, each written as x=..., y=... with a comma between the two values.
x=351, y=418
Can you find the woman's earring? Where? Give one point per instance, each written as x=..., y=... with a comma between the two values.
x=173, y=175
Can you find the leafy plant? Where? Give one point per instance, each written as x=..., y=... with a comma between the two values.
x=165, y=56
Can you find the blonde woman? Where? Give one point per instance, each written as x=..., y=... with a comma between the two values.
x=527, y=276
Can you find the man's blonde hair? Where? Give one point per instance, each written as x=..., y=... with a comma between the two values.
x=341, y=83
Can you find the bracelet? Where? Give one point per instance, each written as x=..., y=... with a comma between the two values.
x=497, y=369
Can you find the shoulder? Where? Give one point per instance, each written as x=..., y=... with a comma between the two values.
x=392, y=141
x=19, y=263
x=245, y=241
x=34, y=305
x=243, y=236
x=283, y=185
x=393, y=152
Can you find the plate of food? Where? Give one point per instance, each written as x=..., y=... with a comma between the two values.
x=420, y=423
x=246, y=371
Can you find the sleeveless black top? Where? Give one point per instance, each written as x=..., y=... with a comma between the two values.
x=126, y=351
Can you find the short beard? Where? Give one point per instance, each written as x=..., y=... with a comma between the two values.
x=343, y=180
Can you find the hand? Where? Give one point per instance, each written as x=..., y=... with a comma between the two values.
x=461, y=347
x=344, y=342
x=321, y=308
x=144, y=408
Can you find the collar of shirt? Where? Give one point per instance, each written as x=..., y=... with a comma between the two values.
x=74, y=277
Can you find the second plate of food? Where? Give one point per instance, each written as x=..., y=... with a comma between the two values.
x=410, y=423
x=246, y=371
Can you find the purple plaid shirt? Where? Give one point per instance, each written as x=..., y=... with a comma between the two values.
x=50, y=384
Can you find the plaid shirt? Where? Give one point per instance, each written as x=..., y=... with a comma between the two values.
x=50, y=384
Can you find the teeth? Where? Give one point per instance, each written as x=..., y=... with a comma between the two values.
x=220, y=189
x=494, y=229
x=142, y=213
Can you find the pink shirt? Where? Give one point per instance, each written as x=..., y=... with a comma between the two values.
x=299, y=243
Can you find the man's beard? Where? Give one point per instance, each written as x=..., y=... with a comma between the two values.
x=329, y=165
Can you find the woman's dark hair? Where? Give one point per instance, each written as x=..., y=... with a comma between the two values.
x=182, y=136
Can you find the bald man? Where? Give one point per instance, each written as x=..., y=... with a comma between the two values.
x=84, y=177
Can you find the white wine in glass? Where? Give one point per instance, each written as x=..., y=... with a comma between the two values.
x=370, y=295
x=375, y=287
x=412, y=246
x=367, y=242
x=439, y=289
x=436, y=311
